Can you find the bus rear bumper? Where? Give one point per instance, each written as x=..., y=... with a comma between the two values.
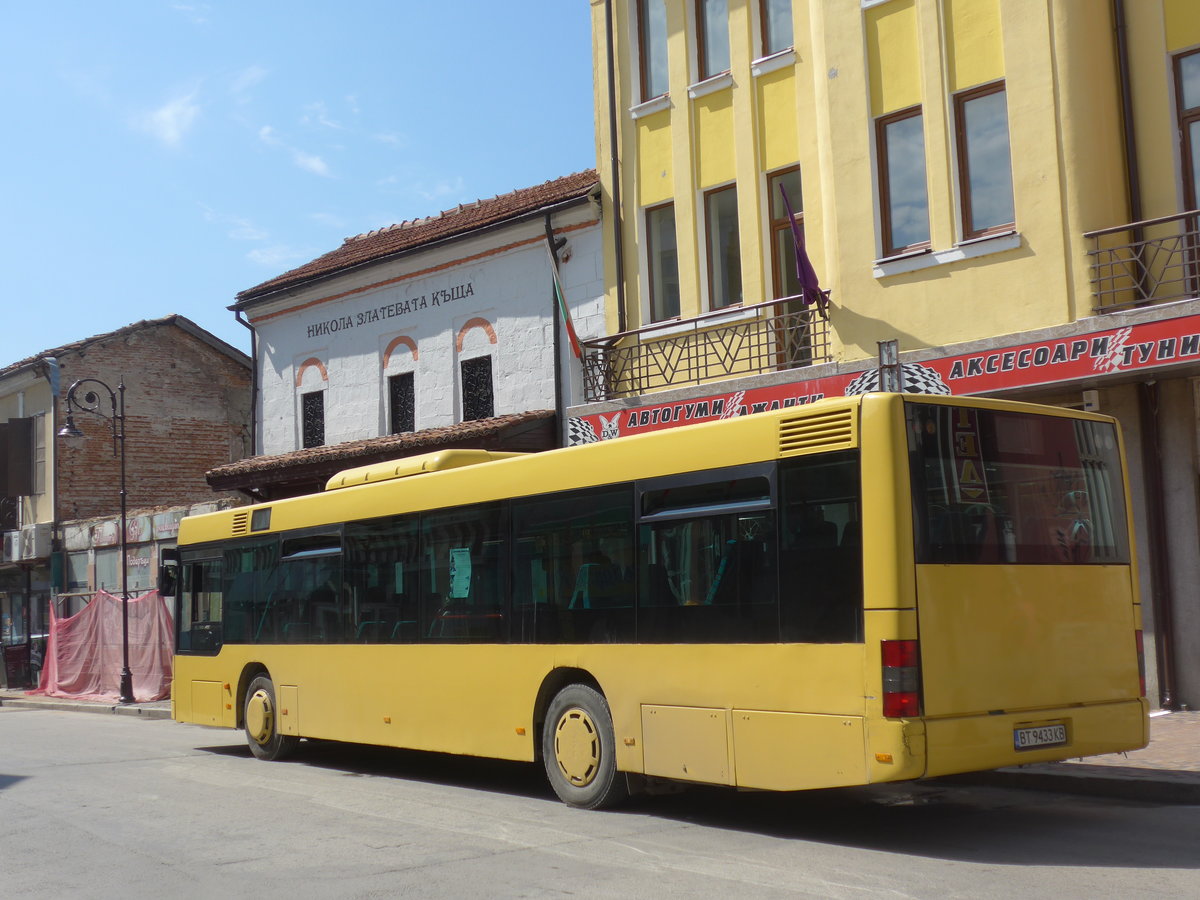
x=979, y=742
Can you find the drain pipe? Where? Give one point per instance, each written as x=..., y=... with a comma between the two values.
x=253, y=383
x=614, y=161
x=1127, y=127
x=556, y=318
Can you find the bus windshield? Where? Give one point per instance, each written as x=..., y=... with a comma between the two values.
x=1006, y=487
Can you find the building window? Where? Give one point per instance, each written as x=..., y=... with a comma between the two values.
x=776, y=19
x=402, y=414
x=984, y=163
x=663, y=260
x=903, y=193
x=785, y=279
x=312, y=419
x=477, y=397
x=724, y=251
x=652, y=41
x=712, y=35
x=1187, y=94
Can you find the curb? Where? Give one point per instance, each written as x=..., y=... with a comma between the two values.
x=131, y=709
x=1121, y=782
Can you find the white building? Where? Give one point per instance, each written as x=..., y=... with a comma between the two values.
x=433, y=333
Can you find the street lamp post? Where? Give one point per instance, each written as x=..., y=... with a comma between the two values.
x=116, y=419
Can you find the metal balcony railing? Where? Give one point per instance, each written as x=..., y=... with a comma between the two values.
x=1153, y=261
x=768, y=337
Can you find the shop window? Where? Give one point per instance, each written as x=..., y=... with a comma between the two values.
x=984, y=161
x=663, y=261
x=724, y=250
x=903, y=193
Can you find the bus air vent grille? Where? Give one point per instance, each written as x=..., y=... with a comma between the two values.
x=241, y=522
x=832, y=430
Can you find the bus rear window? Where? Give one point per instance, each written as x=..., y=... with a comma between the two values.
x=1002, y=487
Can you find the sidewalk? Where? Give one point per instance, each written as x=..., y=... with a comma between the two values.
x=1167, y=771
x=156, y=709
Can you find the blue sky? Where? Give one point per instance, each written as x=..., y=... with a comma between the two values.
x=161, y=155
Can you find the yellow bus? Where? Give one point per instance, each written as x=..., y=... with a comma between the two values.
x=858, y=590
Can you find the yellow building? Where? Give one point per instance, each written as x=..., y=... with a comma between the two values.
x=1006, y=188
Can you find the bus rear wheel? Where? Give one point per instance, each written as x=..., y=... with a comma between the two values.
x=578, y=749
x=261, y=717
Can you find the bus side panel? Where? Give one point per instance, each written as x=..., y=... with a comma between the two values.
x=796, y=751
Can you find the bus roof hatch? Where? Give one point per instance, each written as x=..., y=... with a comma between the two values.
x=413, y=465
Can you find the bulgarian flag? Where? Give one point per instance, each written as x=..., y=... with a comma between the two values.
x=562, y=304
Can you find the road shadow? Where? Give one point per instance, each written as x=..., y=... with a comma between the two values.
x=7, y=781
x=950, y=821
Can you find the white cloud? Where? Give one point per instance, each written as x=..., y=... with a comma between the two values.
x=310, y=163
x=444, y=188
x=276, y=255
x=328, y=219
x=239, y=229
x=197, y=13
x=171, y=121
x=247, y=78
x=318, y=114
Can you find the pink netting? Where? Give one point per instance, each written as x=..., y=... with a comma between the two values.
x=83, y=653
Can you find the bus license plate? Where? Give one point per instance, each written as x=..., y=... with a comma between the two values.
x=1039, y=736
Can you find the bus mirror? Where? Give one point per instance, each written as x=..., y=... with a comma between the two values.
x=168, y=573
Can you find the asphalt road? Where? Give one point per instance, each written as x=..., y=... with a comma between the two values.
x=113, y=806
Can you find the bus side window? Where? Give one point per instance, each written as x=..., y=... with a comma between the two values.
x=199, y=615
x=574, y=576
x=821, y=568
x=465, y=567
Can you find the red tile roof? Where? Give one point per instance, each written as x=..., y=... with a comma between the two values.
x=409, y=235
x=278, y=475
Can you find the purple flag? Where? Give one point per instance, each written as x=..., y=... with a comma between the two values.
x=810, y=288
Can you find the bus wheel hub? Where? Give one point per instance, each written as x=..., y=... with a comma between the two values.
x=259, y=716
x=577, y=747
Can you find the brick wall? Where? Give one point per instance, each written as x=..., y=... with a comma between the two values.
x=187, y=411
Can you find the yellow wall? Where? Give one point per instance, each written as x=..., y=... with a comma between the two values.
x=851, y=65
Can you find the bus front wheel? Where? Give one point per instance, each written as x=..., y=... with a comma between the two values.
x=262, y=722
x=578, y=749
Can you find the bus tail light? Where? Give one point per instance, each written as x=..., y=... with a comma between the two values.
x=901, y=679
x=1141, y=654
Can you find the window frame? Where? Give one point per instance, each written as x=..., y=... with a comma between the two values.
x=411, y=418
x=764, y=23
x=888, y=246
x=652, y=252
x=782, y=224
x=311, y=438
x=705, y=31
x=966, y=206
x=1185, y=117
x=476, y=361
x=711, y=247
x=646, y=48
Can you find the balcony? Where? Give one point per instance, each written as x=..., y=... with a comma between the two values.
x=1143, y=263
x=750, y=340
